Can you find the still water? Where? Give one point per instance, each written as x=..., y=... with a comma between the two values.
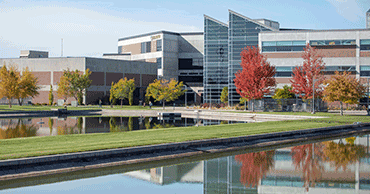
x=48, y=126
x=335, y=166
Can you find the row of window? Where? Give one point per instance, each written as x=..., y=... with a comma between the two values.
x=289, y=46
x=146, y=47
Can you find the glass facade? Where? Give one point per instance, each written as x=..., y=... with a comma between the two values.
x=242, y=33
x=215, y=69
x=283, y=46
x=365, y=44
x=332, y=42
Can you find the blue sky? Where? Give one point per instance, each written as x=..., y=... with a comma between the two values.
x=91, y=28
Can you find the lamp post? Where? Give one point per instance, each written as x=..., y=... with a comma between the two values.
x=313, y=95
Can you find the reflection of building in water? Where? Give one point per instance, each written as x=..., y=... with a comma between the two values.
x=222, y=175
x=189, y=173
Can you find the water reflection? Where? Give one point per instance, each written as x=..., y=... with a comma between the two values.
x=338, y=166
x=13, y=128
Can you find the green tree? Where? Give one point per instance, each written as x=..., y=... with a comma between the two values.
x=284, y=93
x=123, y=89
x=51, y=96
x=74, y=84
x=225, y=95
x=243, y=101
x=341, y=87
x=165, y=91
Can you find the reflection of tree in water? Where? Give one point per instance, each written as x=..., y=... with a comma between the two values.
x=255, y=166
x=120, y=128
x=51, y=124
x=18, y=130
x=79, y=124
x=340, y=155
x=308, y=158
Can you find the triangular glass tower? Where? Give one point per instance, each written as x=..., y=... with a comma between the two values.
x=243, y=32
x=215, y=59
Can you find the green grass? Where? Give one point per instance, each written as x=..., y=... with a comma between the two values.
x=38, y=146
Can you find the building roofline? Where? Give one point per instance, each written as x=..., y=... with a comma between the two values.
x=310, y=30
x=213, y=19
x=266, y=19
x=161, y=32
x=249, y=19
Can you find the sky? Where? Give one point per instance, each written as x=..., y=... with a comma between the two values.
x=91, y=28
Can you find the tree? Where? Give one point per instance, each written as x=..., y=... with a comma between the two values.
x=302, y=80
x=27, y=86
x=123, y=89
x=51, y=96
x=255, y=166
x=165, y=91
x=63, y=88
x=225, y=95
x=74, y=84
x=340, y=155
x=257, y=76
x=112, y=99
x=9, y=79
x=341, y=87
x=308, y=158
x=284, y=93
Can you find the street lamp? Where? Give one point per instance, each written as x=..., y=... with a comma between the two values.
x=313, y=95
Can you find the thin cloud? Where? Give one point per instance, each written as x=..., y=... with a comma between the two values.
x=349, y=9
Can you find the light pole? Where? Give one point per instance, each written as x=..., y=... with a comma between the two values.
x=313, y=95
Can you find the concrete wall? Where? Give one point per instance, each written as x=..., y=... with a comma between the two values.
x=104, y=72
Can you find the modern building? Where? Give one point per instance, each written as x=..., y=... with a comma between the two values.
x=343, y=50
x=104, y=72
x=177, y=56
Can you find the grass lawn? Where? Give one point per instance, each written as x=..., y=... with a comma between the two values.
x=38, y=146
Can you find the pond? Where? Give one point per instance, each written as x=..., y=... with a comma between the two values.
x=334, y=166
x=49, y=126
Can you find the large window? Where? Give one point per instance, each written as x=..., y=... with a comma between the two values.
x=159, y=45
x=332, y=42
x=365, y=44
x=285, y=71
x=283, y=46
x=159, y=63
x=146, y=47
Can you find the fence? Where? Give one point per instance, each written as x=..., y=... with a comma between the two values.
x=287, y=105
x=4, y=101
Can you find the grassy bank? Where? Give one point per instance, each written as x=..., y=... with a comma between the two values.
x=38, y=146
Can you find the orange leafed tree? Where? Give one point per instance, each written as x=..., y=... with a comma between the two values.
x=308, y=158
x=255, y=166
x=341, y=87
x=302, y=80
x=256, y=77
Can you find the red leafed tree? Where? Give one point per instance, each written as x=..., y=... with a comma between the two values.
x=256, y=77
x=308, y=158
x=303, y=76
x=254, y=166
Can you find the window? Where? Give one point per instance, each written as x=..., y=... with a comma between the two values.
x=365, y=44
x=119, y=49
x=332, y=42
x=159, y=45
x=159, y=63
x=146, y=47
x=286, y=71
x=283, y=46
